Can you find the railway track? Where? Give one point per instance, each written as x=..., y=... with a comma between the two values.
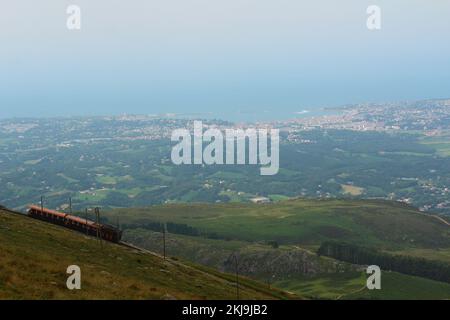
x=132, y=246
x=182, y=265
x=11, y=211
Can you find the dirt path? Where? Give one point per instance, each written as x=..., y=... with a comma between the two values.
x=352, y=292
x=441, y=219
x=168, y=260
x=436, y=217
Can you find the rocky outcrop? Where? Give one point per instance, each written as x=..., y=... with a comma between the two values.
x=282, y=263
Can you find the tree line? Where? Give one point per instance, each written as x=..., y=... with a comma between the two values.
x=431, y=269
x=171, y=227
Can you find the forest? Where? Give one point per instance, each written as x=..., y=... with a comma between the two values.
x=431, y=269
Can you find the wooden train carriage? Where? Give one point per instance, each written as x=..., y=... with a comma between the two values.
x=86, y=226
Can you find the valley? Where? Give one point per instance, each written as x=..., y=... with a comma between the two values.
x=277, y=243
x=374, y=177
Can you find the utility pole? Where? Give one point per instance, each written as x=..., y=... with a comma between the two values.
x=86, y=216
x=70, y=205
x=237, y=274
x=164, y=241
x=270, y=280
x=97, y=217
x=42, y=203
x=96, y=221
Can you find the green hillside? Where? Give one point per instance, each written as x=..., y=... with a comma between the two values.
x=387, y=225
x=276, y=243
x=34, y=257
x=352, y=285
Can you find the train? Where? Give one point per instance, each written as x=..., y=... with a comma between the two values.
x=88, y=227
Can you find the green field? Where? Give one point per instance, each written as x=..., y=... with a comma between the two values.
x=352, y=190
x=440, y=143
x=387, y=225
x=352, y=285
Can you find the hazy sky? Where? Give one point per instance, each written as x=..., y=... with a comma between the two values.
x=187, y=56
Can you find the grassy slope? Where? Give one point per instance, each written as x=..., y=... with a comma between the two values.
x=385, y=225
x=389, y=226
x=323, y=285
x=34, y=256
x=352, y=285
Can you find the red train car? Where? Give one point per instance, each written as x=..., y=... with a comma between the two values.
x=86, y=226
